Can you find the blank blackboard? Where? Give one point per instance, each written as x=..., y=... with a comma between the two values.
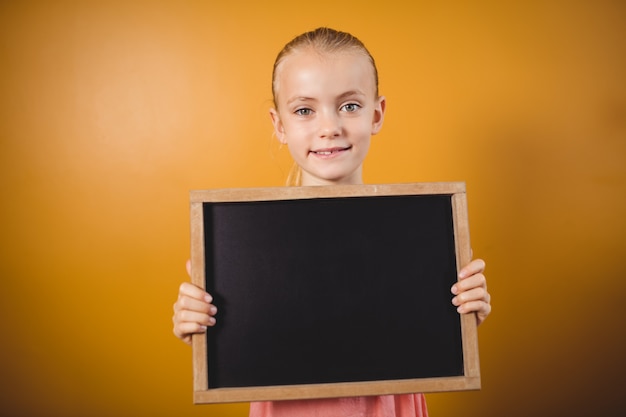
x=331, y=291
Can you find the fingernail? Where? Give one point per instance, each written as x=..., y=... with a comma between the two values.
x=203, y=328
x=213, y=310
x=454, y=289
x=208, y=298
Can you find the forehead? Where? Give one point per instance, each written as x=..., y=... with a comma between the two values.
x=312, y=73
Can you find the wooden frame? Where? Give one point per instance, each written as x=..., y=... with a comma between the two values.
x=466, y=376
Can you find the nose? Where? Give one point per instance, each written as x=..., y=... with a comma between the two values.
x=330, y=125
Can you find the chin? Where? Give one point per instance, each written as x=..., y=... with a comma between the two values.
x=339, y=178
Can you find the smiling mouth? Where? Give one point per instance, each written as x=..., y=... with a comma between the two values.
x=330, y=151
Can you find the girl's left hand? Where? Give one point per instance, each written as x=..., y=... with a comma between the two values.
x=470, y=292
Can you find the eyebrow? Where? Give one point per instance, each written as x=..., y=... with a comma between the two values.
x=342, y=96
x=351, y=93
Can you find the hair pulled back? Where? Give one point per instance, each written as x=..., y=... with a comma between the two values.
x=323, y=40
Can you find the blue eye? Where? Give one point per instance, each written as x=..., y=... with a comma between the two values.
x=350, y=107
x=303, y=112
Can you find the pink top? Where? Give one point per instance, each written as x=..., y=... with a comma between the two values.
x=405, y=405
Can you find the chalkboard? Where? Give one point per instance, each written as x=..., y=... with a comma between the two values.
x=332, y=291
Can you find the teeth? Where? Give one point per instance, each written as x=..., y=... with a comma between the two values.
x=324, y=153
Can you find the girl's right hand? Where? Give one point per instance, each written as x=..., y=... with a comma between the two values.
x=193, y=311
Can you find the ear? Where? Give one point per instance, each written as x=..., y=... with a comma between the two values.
x=279, y=129
x=379, y=114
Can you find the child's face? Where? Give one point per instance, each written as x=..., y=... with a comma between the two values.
x=327, y=110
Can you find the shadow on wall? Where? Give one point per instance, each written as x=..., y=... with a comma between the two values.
x=555, y=235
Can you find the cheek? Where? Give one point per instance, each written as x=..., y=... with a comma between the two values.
x=299, y=151
x=297, y=132
x=363, y=130
x=296, y=138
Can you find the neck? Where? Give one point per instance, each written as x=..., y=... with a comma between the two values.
x=353, y=179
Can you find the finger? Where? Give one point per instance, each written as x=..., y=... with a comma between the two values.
x=469, y=283
x=475, y=294
x=184, y=337
x=184, y=330
x=481, y=308
x=185, y=303
x=473, y=281
x=474, y=267
x=187, y=289
x=188, y=266
x=195, y=317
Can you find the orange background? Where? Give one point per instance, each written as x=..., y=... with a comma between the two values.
x=112, y=111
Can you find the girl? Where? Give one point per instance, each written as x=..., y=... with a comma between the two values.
x=326, y=107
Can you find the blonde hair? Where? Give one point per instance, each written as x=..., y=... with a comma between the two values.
x=324, y=40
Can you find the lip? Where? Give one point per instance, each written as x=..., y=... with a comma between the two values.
x=330, y=152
